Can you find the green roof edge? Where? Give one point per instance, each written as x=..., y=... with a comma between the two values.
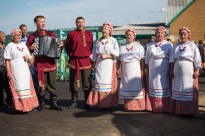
x=174, y=18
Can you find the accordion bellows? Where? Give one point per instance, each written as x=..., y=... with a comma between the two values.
x=47, y=46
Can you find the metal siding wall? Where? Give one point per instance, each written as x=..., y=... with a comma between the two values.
x=174, y=7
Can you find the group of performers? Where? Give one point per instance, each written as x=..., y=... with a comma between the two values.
x=164, y=79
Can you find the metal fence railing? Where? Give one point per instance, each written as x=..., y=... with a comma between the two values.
x=62, y=72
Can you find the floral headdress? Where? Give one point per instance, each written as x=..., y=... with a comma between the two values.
x=131, y=30
x=16, y=31
x=161, y=28
x=185, y=29
x=109, y=26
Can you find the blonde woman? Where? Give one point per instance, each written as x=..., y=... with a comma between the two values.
x=104, y=92
x=157, y=70
x=17, y=58
x=184, y=71
x=130, y=67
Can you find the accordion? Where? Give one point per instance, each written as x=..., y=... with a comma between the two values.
x=47, y=46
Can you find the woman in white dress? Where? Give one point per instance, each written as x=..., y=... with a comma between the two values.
x=186, y=62
x=157, y=70
x=130, y=66
x=17, y=58
x=104, y=92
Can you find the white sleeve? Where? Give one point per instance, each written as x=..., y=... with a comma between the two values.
x=27, y=53
x=197, y=57
x=171, y=56
x=115, y=51
x=119, y=57
x=142, y=52
x=8, y=52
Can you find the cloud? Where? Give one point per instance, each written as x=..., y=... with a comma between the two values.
x=162, y=10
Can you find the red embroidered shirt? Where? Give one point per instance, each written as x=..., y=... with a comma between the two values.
x=48, y=64
x=79, y=49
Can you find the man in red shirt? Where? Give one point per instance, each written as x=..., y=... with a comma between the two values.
x=78, y=46
x=45, y=66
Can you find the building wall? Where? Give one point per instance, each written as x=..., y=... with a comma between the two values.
x=194, y=19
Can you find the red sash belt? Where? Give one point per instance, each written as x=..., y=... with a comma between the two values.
x=76, y=65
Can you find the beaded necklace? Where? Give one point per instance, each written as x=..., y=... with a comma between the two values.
x=20, y=49
x=182, y=48
x=158, y=44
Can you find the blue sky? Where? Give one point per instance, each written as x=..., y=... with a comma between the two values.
x=62, y=13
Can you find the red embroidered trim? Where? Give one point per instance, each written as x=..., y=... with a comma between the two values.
x=158, y=44
x=48, y=69
x=81, y=68
x=182, y=48
x=84, y=40
x=128, y=49
x=103, y=43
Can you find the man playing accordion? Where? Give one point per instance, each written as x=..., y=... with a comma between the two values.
x=44, y=65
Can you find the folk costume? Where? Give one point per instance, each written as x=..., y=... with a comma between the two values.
x=46, y=70
x=157, y=58
x=104, y=92
x=132, y=85
x=186, y=58
x=21, y=84
x=79, y=44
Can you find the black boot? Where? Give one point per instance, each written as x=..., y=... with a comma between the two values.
x=86, y=94
x=53, y=104
x=74, y=100
x=3, y=104
x=9, y=102
x=41, y=100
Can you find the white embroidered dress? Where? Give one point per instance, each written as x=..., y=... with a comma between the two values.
x=104, y=67
x=157, y=57
x=186, y=58
x=20, y=70
x=131, y=83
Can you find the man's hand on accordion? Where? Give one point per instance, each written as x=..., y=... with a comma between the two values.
x=33, y=46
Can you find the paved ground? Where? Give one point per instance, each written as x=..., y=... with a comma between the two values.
x=116, y=122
